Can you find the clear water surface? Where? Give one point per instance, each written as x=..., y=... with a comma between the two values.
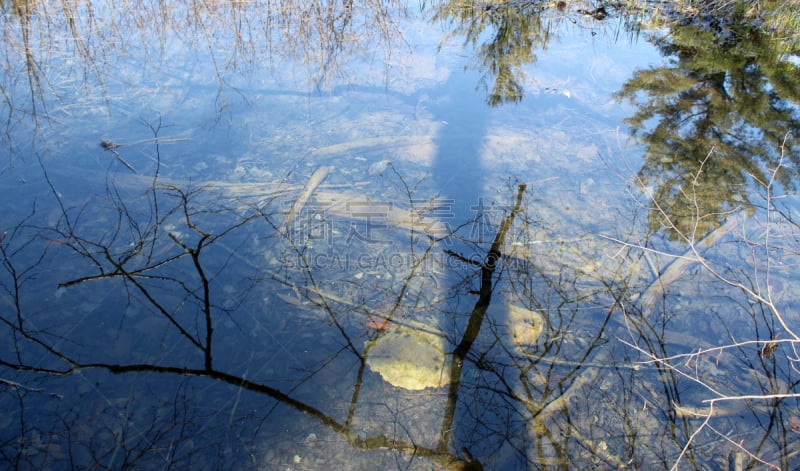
x=375, y=235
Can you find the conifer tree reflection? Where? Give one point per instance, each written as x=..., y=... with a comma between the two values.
x=726, y=99
x=515, y=30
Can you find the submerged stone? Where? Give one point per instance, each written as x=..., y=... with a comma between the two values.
x=409, y=358
x=526, y=326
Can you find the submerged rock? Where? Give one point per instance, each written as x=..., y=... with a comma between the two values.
x=409, y=358
x=378, y=167
x=526, y=326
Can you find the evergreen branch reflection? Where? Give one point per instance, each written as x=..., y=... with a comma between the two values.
x=518, y=30
x=726, y=99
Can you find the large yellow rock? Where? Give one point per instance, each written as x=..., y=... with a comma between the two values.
x=525, y=326
x=409, y=358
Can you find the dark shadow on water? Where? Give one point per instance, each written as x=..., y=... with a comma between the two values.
x=457, y=168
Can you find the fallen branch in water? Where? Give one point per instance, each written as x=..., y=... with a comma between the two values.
x=110, y=146
x=298, y=205
x=769, y=395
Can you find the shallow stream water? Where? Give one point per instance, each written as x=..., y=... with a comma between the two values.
x=370, y=235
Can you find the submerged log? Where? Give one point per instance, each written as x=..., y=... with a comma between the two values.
x=302, y=198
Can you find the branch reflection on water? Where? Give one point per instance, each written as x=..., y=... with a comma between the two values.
x=192, y=284
x=240, y=312
x=174, y=261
